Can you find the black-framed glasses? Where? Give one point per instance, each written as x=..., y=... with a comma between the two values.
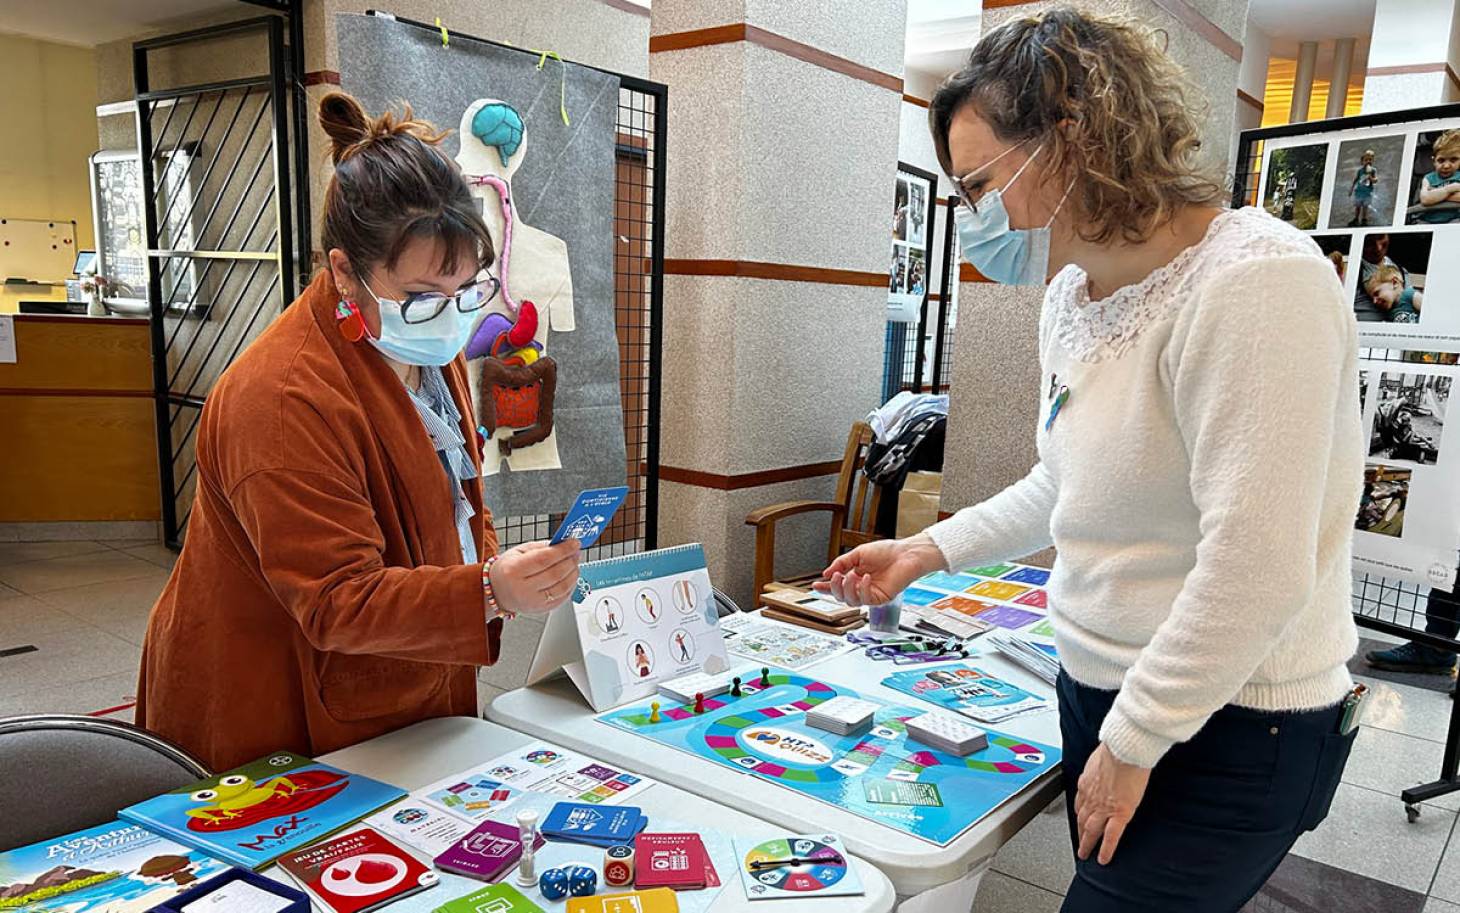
x=420, y=307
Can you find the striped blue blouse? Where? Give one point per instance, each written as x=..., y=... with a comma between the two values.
x=443, y=422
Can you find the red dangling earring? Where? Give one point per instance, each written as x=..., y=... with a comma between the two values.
x=351, y=321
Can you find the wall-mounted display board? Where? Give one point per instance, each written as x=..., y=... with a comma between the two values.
x=37, y=249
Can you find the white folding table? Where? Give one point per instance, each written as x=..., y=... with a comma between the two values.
x=928, y=878
x=417, y=755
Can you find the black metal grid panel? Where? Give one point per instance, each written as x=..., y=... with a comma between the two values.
x=638, y=295
x=219, y=233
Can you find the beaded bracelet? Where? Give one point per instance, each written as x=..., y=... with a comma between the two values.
x=494, y=609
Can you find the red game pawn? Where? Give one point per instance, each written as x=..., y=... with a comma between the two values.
x=699, y=702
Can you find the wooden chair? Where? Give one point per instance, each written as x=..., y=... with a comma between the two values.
x=853, y=514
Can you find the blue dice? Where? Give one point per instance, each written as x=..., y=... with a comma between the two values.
x=582, y=881
x=554, y=884
x=574, y=880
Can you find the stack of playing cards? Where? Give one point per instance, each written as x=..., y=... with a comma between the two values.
x=1039, y=658
x=947, y=733
x=842, y=715
x=684, y=688
x=598, y=825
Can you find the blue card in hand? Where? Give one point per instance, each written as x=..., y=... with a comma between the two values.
x=590, y=514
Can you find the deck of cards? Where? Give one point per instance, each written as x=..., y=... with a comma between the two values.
x=947, y=733
x=842, y=715
x=684, y=688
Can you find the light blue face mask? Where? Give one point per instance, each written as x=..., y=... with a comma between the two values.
x=1012, y=256
x=433, y=342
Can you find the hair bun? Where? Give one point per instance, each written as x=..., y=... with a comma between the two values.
x=345, y=122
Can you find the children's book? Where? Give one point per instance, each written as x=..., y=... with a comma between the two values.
x=253, y=814
x=967, y=690
x=632, y=623
x=359, y=872
x=110, y=867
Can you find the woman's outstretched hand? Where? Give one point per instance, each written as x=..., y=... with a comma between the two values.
x=874, y=573
x=535, y=577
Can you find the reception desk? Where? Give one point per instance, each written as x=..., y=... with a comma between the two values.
x=76, y=418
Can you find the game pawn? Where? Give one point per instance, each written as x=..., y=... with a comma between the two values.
x=699, y=702
x=765, y=676
x=654, y=712
x=735, y=687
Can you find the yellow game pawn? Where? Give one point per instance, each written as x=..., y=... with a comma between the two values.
x=654, y=712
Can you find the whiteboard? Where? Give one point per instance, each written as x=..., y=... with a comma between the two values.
x=37, y=249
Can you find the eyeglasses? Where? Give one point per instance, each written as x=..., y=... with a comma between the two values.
x=420, y=307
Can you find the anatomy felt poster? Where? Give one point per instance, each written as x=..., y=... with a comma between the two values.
x=536, y=144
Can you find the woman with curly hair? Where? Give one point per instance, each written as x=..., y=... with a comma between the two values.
x=1200, y=464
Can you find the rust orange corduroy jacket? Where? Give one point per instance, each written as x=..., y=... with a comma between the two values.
x=320, y=598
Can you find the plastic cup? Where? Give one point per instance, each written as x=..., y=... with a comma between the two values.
x=885, y=618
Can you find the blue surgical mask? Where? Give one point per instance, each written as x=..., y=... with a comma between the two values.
x=1012, y=256
x=434, y=342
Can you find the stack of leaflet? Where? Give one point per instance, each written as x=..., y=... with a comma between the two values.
x=842, y=715
x=1039, y=658
x=942, y=622
x=596, y=825
x=685, y=688
x=947, y=733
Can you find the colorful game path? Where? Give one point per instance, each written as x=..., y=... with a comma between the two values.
x=881, y=775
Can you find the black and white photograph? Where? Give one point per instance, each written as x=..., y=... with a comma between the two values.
x=1366, y=182
x=1409, y=418
x=1336, y=249
x=1381, y=506
x=900, y=214
x=917, y=212
x=1392, y=271
x=1363, y=390
x=1434, y=180
x=1294, y=184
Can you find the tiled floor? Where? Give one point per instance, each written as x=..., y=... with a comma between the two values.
x=83, y=607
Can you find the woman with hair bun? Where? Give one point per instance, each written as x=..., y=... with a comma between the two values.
x=341, y=576
x=1200, y=464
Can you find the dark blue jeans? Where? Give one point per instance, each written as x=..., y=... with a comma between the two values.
x=1219, y=814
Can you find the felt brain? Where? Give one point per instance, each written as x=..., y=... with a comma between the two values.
x=499, y=125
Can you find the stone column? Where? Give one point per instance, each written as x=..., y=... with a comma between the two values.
x=1343, y=64
x=1414, y=53
x=1303, y=81
x=995, y=395
x=783, y=141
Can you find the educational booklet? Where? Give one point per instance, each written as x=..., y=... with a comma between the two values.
x=113, y=866
x=358, y=872
x=967, y=690
x=253, y=814
x=632, y=623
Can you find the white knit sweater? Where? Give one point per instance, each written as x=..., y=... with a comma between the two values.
x=1200, y=485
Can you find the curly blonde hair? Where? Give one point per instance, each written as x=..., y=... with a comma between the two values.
x=1108, y=102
